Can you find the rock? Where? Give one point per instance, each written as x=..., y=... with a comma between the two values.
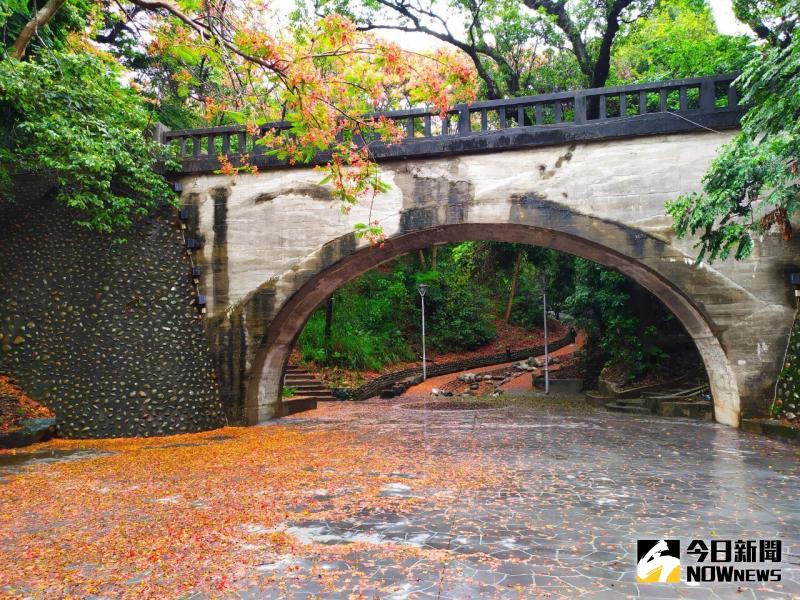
x=487, y=377
x=436, y=392
x=31, y=432
x=467, y=377
x=18, y=340
x=790, y=415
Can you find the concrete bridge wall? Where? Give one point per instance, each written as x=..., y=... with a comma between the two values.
x=275, y=246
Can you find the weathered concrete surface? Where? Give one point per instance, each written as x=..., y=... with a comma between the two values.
x=275, y=246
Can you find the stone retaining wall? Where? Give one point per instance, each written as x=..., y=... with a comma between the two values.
x=787, y=404
x=374, y=387
x=104, y=334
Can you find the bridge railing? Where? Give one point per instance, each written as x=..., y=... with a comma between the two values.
x=696, y=96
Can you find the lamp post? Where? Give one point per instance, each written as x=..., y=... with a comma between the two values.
x=543, y=284
x=422, y=289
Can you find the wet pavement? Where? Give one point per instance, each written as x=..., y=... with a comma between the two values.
x=20, y=460
x=589, y=485
x=567, y=493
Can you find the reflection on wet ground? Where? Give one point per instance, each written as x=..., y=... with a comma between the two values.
x=18, y=461
x=340, y=502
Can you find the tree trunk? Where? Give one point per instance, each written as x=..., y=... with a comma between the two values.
x=42, y=16
x=513, y=290
x=433, y=257
x=423, y=264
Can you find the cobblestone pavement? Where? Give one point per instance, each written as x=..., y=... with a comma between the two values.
x=570, y=491
x=591, y=484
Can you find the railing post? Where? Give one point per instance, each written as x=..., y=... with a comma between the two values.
x=409, y=127
x=464, y=127
x=580, y=107
x=160, y=133
x=708, y=96
x=733, y=100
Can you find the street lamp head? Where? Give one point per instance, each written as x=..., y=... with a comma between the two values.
x=422, y=289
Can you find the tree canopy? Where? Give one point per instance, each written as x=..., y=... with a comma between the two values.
x=518, y=47
x=753, y=184
x=94, y=76
x=324, y=78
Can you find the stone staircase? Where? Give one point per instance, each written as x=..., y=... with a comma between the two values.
x=633, y=406
x=308, y=390
x=690, y=402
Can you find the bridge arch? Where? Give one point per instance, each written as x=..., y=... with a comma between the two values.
x=627, y=250
x=272, y=248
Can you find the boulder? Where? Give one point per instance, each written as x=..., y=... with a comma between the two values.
x=341, y=393
x=31, y=432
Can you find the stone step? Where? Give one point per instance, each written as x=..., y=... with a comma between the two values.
x=322, y=395
x=300, y=379
x=312, y=393
x=296, y=405
x=631, y=401
x=308, y=387
x=686, y=409
x=627, y=408
x=326, y=398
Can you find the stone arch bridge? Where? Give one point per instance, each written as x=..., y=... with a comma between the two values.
x=542, y=170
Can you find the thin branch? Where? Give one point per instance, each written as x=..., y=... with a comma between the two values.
x=42, y=16
x=205, y=30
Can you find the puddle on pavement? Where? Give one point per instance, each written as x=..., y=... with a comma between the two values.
x=11, y=464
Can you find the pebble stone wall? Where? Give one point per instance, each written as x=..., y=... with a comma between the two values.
x=104, y=334
x=787, y=403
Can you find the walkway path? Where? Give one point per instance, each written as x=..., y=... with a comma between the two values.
x=375, y=500
x=522, y=383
